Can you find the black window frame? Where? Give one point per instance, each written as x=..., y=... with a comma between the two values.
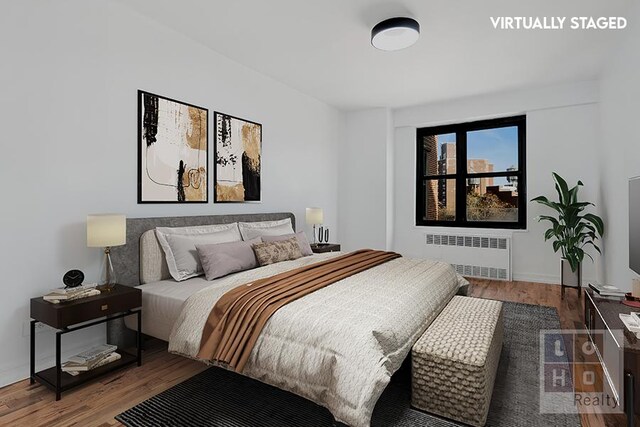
x=462, y=175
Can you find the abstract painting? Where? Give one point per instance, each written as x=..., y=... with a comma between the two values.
x=238, y=152
x=173, y=147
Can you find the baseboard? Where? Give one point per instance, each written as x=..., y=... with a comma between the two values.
x=544, y=278
x=536, y=278
x=21, y=371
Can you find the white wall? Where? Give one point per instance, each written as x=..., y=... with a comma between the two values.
x=69, y=145
x=620, y=148
x=363, y=197
x=562, y=134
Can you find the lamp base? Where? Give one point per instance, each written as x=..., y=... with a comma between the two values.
x=108, y=277
x=107, y=287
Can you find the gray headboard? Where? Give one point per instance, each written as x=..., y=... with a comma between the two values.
x=126, y=258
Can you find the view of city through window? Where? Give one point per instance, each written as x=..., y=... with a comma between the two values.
x=491, y=152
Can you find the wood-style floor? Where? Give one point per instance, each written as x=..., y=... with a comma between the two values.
x=96, y=404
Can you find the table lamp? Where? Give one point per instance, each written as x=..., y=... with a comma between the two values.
x=314, y=217
x=106, y=231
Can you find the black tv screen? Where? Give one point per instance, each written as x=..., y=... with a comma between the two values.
x=634, y=224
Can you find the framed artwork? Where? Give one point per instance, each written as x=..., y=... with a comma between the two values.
x=238, y=152
x=173, y=151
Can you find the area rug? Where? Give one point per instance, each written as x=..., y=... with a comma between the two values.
x=218, y=398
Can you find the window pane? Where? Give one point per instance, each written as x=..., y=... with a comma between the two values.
x=492, y=150
x=440, y=199
x=492, y=199
x=439, y=154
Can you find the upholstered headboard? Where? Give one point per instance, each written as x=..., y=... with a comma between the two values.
x=126, y=258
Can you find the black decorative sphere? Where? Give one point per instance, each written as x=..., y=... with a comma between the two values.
x=73, y=278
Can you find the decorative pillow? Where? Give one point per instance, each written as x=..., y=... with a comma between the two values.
x=284, y=250
x=251, y=230
x=179, y=246
x=221, y=259
x=300, y=236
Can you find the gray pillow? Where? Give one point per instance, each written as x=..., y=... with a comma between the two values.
x=225, y=258
x=300, y=236
x=251, y=230
x=179, y=246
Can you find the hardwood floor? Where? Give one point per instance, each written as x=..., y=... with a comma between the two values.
x=571, y=317
x=97, y=403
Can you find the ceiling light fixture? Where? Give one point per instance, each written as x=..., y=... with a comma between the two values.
x=395, y=33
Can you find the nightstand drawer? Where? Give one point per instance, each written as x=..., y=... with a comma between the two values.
x=118, y=300
x=319, y=248
x=93, y=309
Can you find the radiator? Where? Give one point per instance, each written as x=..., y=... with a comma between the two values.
x=487, y=257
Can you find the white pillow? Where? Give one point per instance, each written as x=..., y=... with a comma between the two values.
x=179, y=246
x=251, y=230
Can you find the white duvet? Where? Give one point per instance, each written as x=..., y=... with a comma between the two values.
x=340, y=345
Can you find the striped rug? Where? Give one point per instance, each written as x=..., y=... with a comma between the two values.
x=218, y=398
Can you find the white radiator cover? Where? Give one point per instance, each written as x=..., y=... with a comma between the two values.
x=482, y=256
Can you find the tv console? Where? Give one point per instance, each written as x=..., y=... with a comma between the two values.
x=614, y=345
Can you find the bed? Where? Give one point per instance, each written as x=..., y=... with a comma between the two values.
x=338, y=346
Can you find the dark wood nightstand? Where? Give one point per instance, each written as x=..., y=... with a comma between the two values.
x=121, y=301
x=319, y=248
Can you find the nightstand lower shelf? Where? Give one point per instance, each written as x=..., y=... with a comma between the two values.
x=59, y=381
x=47, y=377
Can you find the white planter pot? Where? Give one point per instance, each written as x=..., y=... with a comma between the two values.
x=569, y=278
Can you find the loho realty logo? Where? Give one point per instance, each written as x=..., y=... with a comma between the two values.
x=573, y=380
x=558, y=23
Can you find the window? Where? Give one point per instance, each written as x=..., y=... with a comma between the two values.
x=472, y=174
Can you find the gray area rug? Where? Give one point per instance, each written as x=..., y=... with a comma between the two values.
x=218, y=398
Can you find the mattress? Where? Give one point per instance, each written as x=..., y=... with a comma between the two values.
x=162, y=301
x=161, y=305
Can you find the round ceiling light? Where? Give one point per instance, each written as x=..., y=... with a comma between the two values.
x=395, y=33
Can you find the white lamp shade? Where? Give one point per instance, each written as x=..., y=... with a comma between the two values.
x=315, y=216
x=106, y=230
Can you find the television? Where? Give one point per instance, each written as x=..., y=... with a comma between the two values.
x=634, y=224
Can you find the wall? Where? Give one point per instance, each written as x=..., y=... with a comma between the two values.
x=562, y=135
x=364, y=197
x=620, y=148
x=69, y=142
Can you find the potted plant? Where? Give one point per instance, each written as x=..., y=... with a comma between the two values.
x=571, y=230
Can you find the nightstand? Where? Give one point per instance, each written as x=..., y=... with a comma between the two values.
x=121, y=301
x=319, y=248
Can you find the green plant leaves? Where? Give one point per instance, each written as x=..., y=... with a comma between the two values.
x=549, y=234
x=570, y=230
x=544, y=201
x=562, y=189
x=597, y=221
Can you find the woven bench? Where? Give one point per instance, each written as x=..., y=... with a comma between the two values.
x=454, y=363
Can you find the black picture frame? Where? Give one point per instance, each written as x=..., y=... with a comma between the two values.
x=140, y=141
x=217, y=114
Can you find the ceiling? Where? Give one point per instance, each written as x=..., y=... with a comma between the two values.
x=322, y=47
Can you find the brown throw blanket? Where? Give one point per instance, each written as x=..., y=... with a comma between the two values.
x=238, y=317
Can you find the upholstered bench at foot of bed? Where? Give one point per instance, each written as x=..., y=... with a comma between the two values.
x=454, y=363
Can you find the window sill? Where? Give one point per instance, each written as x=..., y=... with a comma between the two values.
x=502, y=232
